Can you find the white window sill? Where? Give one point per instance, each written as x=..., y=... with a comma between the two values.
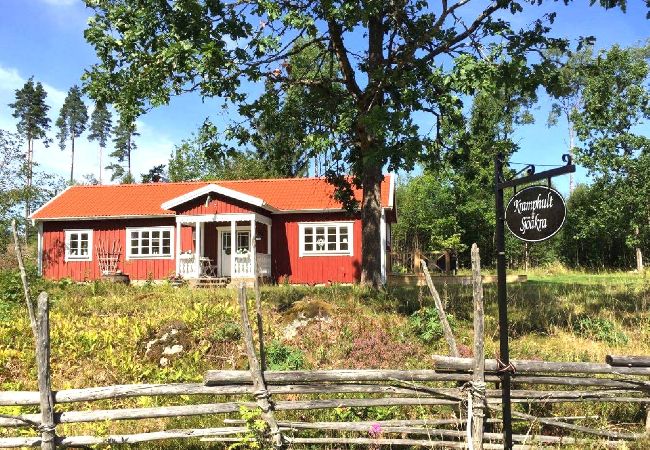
x=149, y=257
x=309, y=254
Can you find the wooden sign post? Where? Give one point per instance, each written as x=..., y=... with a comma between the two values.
x=528, y=208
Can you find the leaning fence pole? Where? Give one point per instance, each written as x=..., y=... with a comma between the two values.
x=25, y=283
x=47, y=427
x=261, y=392
x=446, y=328
x=478, y=377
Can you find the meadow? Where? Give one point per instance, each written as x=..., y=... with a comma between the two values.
x=102, y=334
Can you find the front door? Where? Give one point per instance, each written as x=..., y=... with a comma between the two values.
x=225, y=252
x=243, y=244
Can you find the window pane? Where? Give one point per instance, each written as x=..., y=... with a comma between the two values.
x=155, y=234
x=309, y=231
x=331, y=239
x=309, y=247
x=145, y=250
x=84, y=248
x=309, y=238
x=134, y=235
x=166, y=250
x=343, y=239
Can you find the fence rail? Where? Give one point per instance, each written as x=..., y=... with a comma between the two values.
x=460, y=383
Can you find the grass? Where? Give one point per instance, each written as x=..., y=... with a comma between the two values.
x=100, y=332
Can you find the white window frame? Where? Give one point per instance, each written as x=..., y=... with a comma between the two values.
x=130, y=255
x=301, y=231
x=68, y=256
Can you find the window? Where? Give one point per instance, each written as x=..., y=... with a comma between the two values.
x=78, y=245
x=334, y=238
x=150, y=243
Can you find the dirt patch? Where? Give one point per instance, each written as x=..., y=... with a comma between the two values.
x=304, y=312
x=167, y=344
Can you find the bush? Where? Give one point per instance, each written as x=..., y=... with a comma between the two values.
x=284, y=357
x=426, y=324
x=227, y=332
x=11, y=288
x=599, y=329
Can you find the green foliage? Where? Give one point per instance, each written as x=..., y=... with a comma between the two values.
x=227, y=332
x=31, y=111
x=280, y=356
x=605, y=98
x=600, y=329
x=71, y=122
x=11, y=287
x=123, y=135
x=206, y=157
x=414, y=67
x=426, y=324
x=101, y=125
x=257, y=431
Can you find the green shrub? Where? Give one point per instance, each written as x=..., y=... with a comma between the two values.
x=11, y=288
x=227, y=332
x=600, y=329
x=426, y=324
x=284, y=357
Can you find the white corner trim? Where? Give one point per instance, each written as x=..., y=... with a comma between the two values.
x=210, y=188
x=31, y=216
x=391, y=191
x=40, y=248
x=382, y=240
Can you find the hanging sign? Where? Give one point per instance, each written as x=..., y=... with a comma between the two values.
x=535, y=213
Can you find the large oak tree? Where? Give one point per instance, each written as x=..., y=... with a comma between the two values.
x=403, y=67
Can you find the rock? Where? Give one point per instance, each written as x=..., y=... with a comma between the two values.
x=169, y=343
x=304, y=312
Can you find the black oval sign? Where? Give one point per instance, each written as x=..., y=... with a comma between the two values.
x=535, y=213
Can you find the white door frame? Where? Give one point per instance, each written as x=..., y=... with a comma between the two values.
x=233, y=244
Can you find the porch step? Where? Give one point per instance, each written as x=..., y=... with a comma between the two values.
x=210, y=282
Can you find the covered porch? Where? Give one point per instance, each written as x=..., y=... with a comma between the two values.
x=223, y=246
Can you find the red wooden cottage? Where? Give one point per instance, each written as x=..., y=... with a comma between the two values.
x=296, y=229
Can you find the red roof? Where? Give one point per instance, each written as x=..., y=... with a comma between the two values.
x=288, y=194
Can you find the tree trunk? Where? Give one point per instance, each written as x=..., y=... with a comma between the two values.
x=639, y=254
x=370, y=226
x=101, y=169
x=28, y=196
x=72, y=162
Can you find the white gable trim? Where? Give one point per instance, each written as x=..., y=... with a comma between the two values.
x=215, y=188
x=31, y=216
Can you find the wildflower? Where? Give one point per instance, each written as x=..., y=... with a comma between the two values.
x=375, y=431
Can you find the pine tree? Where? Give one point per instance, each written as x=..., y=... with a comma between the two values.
x=72, y=122
x=33, y=124
x=123, y=136
x=101, y=127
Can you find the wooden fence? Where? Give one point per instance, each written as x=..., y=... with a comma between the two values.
x=458, y=384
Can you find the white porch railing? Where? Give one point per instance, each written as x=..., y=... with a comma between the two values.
x=243, y=266
x=187, y=265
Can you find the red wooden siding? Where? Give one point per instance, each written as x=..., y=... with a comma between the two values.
x=108, y=231
x=219, y=204
x=312, y=269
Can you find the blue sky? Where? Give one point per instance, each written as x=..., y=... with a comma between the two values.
x=44, y=38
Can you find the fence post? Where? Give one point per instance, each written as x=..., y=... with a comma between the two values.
x=47, y=428
x=478, y=377
x=446, y=328
x=261, y=392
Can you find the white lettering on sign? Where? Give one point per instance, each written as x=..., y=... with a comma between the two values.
x=533, y=221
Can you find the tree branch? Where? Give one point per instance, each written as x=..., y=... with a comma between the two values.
x=336, y=38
